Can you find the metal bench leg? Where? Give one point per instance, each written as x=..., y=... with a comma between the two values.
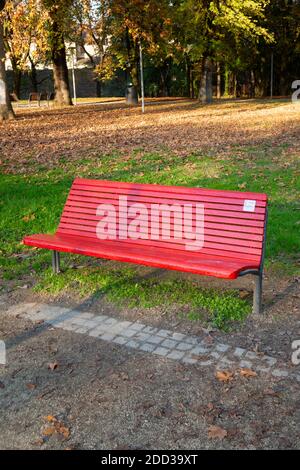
x=257, y=295
x=56, y=262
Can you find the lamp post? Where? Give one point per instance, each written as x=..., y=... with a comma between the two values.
x=142, y=77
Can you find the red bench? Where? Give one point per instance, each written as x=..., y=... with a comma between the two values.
x=234, y=226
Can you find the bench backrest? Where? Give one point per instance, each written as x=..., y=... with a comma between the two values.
x=234, y=222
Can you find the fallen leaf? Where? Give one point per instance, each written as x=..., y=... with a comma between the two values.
x=38, y=442
x=224, y=375
x=30, y=386
x=50, y=419
x=53, y=365
x=270, y=392
x=248, y=373
x=49, y=431
x=55, y=427
x=215, y=432
x=28, y=218
x=124, y=376
x=210, y=407
x=64, y=431
x=244, y=293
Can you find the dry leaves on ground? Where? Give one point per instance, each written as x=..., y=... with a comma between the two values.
x=216, y=432
x=224, y=375
x=181, y=126
x=31, y=386
x=55, y=426
x=248, y=373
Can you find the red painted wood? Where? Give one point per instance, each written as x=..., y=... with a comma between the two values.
x=83, y=219
x=206, y=265
x=91, y=227
x=170, y=189
x=208, y=249
x=89, y=214
x=106, y=198
x=233, y=238
x=94, y=203
x=107, y=192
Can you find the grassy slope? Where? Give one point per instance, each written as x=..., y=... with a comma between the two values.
x=32, y=203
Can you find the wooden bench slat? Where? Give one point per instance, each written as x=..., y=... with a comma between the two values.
x=171, y=189
x=212, y=248
x=205, y=264
x=210, y=229
x=94, y=190
x=209, y=203
x=210, y=235
x=95, y=202
x=210, y=222
x=228, y=220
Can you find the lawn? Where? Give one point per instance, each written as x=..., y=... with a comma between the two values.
x=246, y=145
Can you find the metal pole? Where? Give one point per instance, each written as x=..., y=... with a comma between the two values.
x=272, y=74
x=73, y=78
x=142, y=78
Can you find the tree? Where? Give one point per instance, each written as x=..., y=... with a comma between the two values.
x=92, y=26
x=57, y=28
x=6, y=111
x=283, y=19
x=133, y=23
x=24, y=38
x=209, y=25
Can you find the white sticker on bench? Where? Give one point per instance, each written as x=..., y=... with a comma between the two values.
x=249, y=206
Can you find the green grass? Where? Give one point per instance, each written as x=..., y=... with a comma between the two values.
x=125, y=286
x=32, y=203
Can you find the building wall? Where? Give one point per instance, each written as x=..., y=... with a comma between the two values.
x=86, y=85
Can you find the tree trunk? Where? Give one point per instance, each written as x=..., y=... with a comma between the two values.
x=60, y=68
x=188, y=77
x=226, y=81
x=164, y=79
x=252, y=84
x=132, y=94
x=163, y=84
x=98, y=88
x=192, y=84
x=16, y=78
x=219, y=92
x=206, y=91
x=132, y=72
x=6, y=111
x=234, y=86
x=33, y=76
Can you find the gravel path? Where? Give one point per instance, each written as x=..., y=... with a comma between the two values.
x=67, y=385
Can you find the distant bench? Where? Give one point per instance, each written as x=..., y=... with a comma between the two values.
x=233, y=223
x=38, y=97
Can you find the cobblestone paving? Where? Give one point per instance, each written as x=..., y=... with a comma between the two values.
x=162, y=342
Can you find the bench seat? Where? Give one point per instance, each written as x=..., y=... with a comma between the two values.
x=193, y=262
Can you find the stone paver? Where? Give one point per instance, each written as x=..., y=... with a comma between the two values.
x=165, y=343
